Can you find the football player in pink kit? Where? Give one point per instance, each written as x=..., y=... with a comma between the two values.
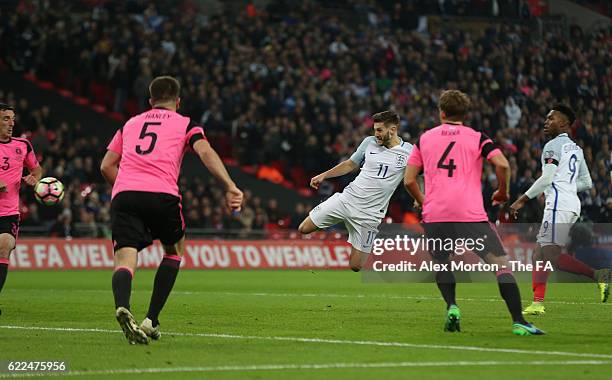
x=450, y=156
x=142, y=163
x=15, y=153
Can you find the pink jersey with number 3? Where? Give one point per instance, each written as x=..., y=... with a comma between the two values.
x=451, y=157
x=14, y=155
x=152, y=146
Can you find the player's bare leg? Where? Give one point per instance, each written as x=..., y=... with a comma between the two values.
x=510, y=293
x=307, y=226
x=162, y=286
x=357, y=259
x=126, y=260
x=7, y=244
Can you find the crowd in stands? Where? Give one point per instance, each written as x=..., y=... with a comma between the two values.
x=601, y=6
x=291, y=89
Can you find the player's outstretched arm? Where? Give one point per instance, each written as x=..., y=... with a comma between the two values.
x=548, y=174
x=411, y=184
x=551, y=155
x=213, y=162
x=110, y=166
x=341, y=169
x=34, y=176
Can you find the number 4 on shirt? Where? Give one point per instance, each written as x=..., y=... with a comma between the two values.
x=451, y=163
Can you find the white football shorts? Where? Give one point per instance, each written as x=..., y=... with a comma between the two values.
x=555, y=228
x=333, y=211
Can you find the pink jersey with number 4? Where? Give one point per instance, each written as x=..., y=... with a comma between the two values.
x=451, y=157
x=14, y=155
x=152, y=146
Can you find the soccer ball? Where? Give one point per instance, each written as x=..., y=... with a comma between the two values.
x=49, y=191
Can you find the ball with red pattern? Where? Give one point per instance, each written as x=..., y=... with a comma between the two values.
x=49, y=191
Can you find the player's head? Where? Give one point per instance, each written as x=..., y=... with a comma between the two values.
x=165, y=91
x=559, y=120
x=7, y=121
x=386, y=124
x=454, y=105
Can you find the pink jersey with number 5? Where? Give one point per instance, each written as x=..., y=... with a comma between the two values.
x=451, y=157
x=152, y=146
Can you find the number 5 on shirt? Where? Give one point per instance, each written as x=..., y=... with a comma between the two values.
x=152, y=135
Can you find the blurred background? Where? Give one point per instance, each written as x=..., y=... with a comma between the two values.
x=285, y=90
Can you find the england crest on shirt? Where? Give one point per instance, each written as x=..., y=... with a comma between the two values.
x=400, y=162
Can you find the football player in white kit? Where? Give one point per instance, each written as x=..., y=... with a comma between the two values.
x=363, y=203
x=564, y=175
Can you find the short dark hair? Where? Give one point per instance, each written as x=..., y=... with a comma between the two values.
x=387, y=117
x=164, y=89
x=6, y=107
x=567, y=111
x=455, y=104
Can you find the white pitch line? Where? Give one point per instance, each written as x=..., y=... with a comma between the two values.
x=333, y=341
x=361, y=296
x=311, y=295
x=276, y=367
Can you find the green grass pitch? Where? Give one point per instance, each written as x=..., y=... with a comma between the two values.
x=300, y=325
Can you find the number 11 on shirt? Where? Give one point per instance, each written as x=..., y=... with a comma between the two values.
x=380, y=170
